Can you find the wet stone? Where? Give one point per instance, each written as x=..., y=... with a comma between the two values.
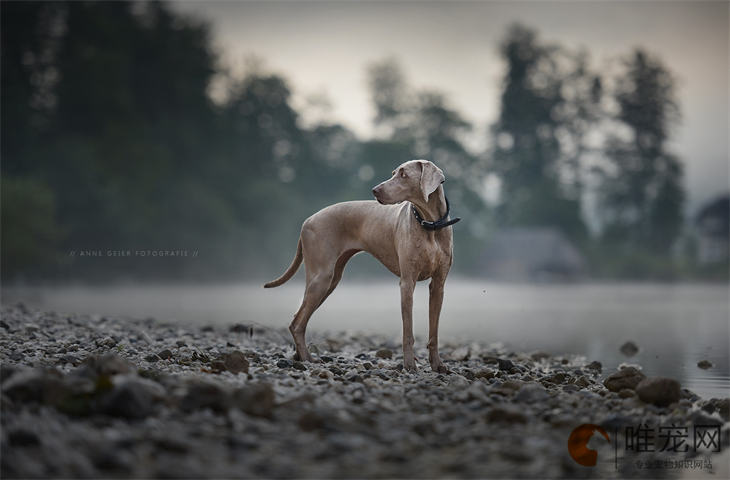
x=629, y=349
x=627, y=377
x=236, y=362
x=704, y=364
x=659, y=391
x=384, y=353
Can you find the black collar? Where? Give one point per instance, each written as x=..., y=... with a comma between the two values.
x=438, y=224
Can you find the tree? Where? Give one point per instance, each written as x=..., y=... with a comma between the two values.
x=641, y=184
x=422, y=124
x=549, y=101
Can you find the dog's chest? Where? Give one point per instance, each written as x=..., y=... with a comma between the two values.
x=433, y=255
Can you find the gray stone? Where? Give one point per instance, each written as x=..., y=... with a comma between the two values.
x=705, y=364
x=165, y=354
x=539, y=356
x=201, y=394
x=629, y=349
x=384, y=353
x=132, y=397
x=595, y=365
x=505, y=364
x=626, y=393
x=627, y=377
x=531, y=393
x=35, y=385
x=241, y=328
x=256, y=399
x=236, y=362
x=106, y=365
x=719, y=405
x=505, y=414
x=659, y=391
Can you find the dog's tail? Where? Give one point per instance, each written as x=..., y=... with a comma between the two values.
x=291, y=270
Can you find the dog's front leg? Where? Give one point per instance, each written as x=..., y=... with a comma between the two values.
x=435, y=300
x=406, y=308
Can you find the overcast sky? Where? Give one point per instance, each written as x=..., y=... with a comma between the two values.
x=323, y=47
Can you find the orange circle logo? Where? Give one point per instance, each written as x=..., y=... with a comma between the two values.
x=578, y=444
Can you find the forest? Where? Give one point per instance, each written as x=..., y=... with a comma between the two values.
x=112, y=141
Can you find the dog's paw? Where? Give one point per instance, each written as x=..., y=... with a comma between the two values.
x=303, y=358
x=410, y=366
x=440, y=368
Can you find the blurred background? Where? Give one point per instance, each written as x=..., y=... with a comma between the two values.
x=581, y=141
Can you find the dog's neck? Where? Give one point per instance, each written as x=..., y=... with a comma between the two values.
x=436, y=206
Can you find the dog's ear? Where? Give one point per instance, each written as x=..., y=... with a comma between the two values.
x=431, y=177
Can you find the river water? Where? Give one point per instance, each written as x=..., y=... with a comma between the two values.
x=675, y=326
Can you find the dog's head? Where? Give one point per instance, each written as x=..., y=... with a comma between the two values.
x=412, y=181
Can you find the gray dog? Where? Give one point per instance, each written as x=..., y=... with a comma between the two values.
x=405, y=229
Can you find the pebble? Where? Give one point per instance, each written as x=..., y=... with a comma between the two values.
x=215, y=409
x=236, y=362
x=505, y=414
x=505, y=364
x=595, y=365
x=705, y=364
x=165, y=354
x=626, y=393
x=384, y=353
x=721, y=406
x=629, y=349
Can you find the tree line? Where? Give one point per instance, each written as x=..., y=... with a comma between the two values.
x=111, y=140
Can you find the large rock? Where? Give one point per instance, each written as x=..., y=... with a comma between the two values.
x=131, y=397
x=105, y=365
x=255, y=399
x=505, y=414
x=659, y=390
x=532, y=393
x=35, y=385
x=201, y=394
x=627, y=377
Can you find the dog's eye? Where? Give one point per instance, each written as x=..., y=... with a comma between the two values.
x=403, y=173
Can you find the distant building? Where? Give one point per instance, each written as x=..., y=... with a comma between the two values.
x=531, y=253
x=713, y=231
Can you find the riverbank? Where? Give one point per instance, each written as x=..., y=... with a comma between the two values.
x=94, y=396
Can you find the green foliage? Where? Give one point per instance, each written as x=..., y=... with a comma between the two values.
x=111, y=142
x=30, y=234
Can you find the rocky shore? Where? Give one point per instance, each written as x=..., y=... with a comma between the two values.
x=90, y=396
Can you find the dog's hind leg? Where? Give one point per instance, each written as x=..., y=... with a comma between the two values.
x=314, y=295
x=339, y=268
x=324, y=269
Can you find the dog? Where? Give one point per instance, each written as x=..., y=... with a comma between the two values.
x=406, y=229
